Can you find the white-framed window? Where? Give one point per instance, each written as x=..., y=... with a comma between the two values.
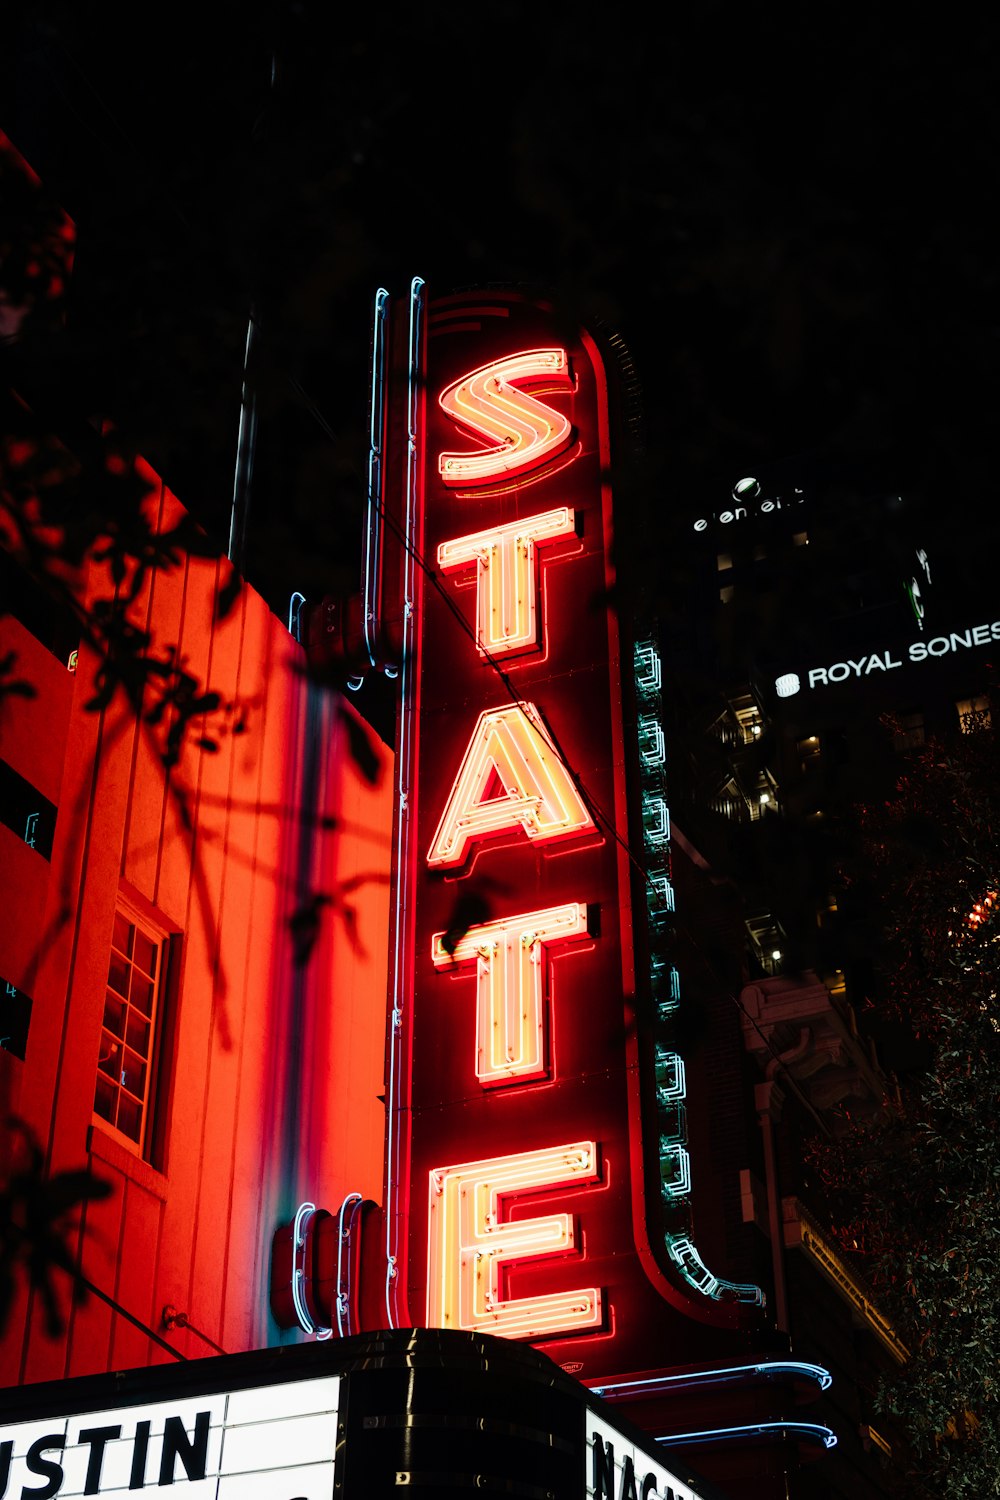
x=124, y=1093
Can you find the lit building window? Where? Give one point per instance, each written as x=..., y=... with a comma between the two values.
x=749, y=717
x=726, y=594
x=123, y=1096
x=973, y=714
x=809, y=752
x=767, y=942
x=725, y=561
x=764, y=798
x=800, y=539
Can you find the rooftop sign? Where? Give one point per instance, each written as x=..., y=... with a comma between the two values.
x=880, y=662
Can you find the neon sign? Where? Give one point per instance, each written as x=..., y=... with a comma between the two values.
x=509, y=958
x=538, y=1145
x=972, y=636
x=524, y=432
x=506, y=582
x=511, y=777
x=540, y=1172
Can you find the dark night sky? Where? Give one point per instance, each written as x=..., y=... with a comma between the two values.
x=786, y=217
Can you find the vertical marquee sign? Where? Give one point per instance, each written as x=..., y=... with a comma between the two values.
x=516, y=1162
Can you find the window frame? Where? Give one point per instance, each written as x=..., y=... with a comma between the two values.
x=145, y=920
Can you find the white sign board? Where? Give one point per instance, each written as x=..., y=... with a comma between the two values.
x=274, y=1442
x=618, y=1470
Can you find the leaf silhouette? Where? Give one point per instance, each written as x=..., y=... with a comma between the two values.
x=470, y=909
x=38, y=1226
x=362, y=750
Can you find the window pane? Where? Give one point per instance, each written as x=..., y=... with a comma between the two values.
x=137, y=1035
x=118, y=974
x=122, y=935
x=145, y=954
x=128, y=1036
x=142, y=994
x=133, y=1073
x=114, y=1014
x=130, y=1117
x=110, y=1053
x=104, y=1099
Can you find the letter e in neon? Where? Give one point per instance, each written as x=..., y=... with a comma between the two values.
x=468, y=1244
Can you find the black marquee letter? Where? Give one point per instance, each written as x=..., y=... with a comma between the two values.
x=604, y=1469
x=47, y=1467
x=628, y=1480
x=97, y=1437
x=137, y=1478
x=192, y=1452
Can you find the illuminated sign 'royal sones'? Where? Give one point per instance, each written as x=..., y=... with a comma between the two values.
x=879, y=662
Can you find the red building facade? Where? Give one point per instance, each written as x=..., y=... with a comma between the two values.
x=198, y=963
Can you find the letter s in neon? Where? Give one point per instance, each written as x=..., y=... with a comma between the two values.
x=521, y=432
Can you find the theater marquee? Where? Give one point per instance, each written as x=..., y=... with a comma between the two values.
x=425, y=1411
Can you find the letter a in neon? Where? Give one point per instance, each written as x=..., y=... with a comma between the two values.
x=510, y=749
x=521, y=431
